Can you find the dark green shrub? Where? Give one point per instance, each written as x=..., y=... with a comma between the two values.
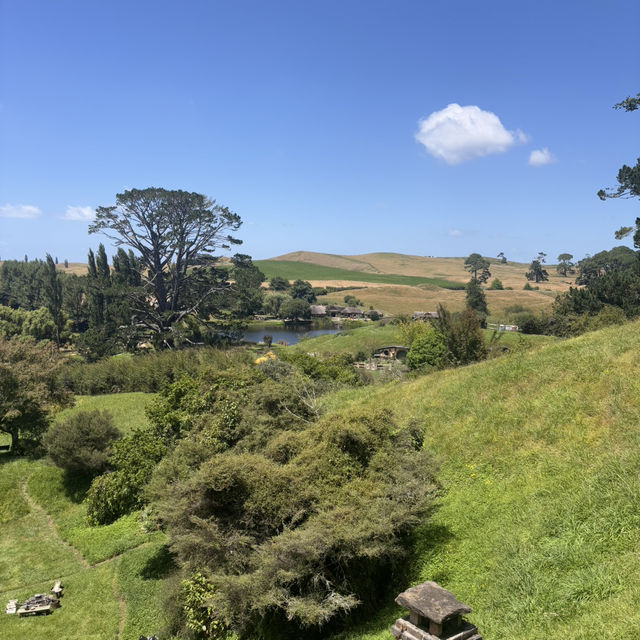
x=428, y=350
x=496, y=284
x=115, y=494
x=82, y=442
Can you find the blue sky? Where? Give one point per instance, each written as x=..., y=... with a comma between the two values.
x=325, y=125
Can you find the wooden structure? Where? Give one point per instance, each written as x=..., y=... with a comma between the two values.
x=12, y=607
x=56, y=590
x=434, y=614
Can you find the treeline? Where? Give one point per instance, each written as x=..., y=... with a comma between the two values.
x=99, y=312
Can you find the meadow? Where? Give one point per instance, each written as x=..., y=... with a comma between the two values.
x=112, y=575
x=537, y=527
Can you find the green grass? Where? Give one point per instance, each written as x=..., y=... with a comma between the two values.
x=308, y=271
x=538, y=525
x=373, y=336
x=127, y=409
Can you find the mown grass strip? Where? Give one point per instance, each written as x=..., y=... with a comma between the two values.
x=307, y=271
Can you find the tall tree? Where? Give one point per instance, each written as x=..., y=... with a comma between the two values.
x=628, y=179
x=478, y=266
x=476, y=299
x=565, y=265
x=502, y=257
x=175, y=234
x=536, y=271
x=53, y=296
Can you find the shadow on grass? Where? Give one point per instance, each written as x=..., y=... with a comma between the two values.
x=76, y=485
x=160, y=565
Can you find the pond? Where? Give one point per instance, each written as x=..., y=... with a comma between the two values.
x=291, y=334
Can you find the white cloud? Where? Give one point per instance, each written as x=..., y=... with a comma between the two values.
x=19, y=211
x=539, y=157
x=455, y=233
x=82, y=214
x=457, y=133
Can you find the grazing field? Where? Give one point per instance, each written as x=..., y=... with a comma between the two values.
x=397, y=284
x=450, y=269
x=405, y=300
x=315, y=272
x=538, y=526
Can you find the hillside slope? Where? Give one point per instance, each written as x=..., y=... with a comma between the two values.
x=538, y=526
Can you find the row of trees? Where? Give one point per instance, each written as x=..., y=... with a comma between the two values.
x=168, y=287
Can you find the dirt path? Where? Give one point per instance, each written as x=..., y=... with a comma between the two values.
x=36, y=508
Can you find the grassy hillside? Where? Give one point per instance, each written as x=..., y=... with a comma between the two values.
x=397, y=283
x=315, y=272
x=538, y=525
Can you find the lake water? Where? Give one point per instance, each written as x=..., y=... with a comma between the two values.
x=290, y=334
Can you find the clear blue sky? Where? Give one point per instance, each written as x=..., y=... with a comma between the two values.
x=325, y=125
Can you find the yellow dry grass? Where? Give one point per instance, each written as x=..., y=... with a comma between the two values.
x=511, y=274
x=398, y=299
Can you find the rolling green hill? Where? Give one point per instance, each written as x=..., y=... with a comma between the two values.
x=310, y=271
x=538, y=524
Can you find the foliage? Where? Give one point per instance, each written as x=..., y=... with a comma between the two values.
x=294, y=308
x=463, y=336
x=29, y=389
x=302, y=290
x=196, y=591
x=297, y=532
x=133, y=459
x=175, y=234
x=53, y=296
x=496, y=285
x=502, y=258
x=428, y=350
x=476, y=300
x=565, y=266
x=478, y=266
x=278, y=283
x=352, y=301
x=536, y=271
x=36, y=324
x=82, y=441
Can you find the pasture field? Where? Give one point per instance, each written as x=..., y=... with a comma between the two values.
x=450, y=269
x=314, y=272
x=400, y=284
x=397, y=300
x=537, y=527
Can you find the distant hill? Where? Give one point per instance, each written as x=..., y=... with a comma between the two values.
x=398, y=283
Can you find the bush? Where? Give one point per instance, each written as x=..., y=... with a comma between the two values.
x=82, y=442
x=428, y=350
x=496, y=284
x=115, y=494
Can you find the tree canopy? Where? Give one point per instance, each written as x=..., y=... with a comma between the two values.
x=478, y=266
x=174, y=236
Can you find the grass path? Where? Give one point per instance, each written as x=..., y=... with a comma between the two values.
x=35, y=507
x=109, y=591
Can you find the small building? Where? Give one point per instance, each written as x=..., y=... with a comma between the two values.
x=352, y=312
x=434, y=614
x=334, y=310
x=393, y=352
x=318, y=310
x=424, y=315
